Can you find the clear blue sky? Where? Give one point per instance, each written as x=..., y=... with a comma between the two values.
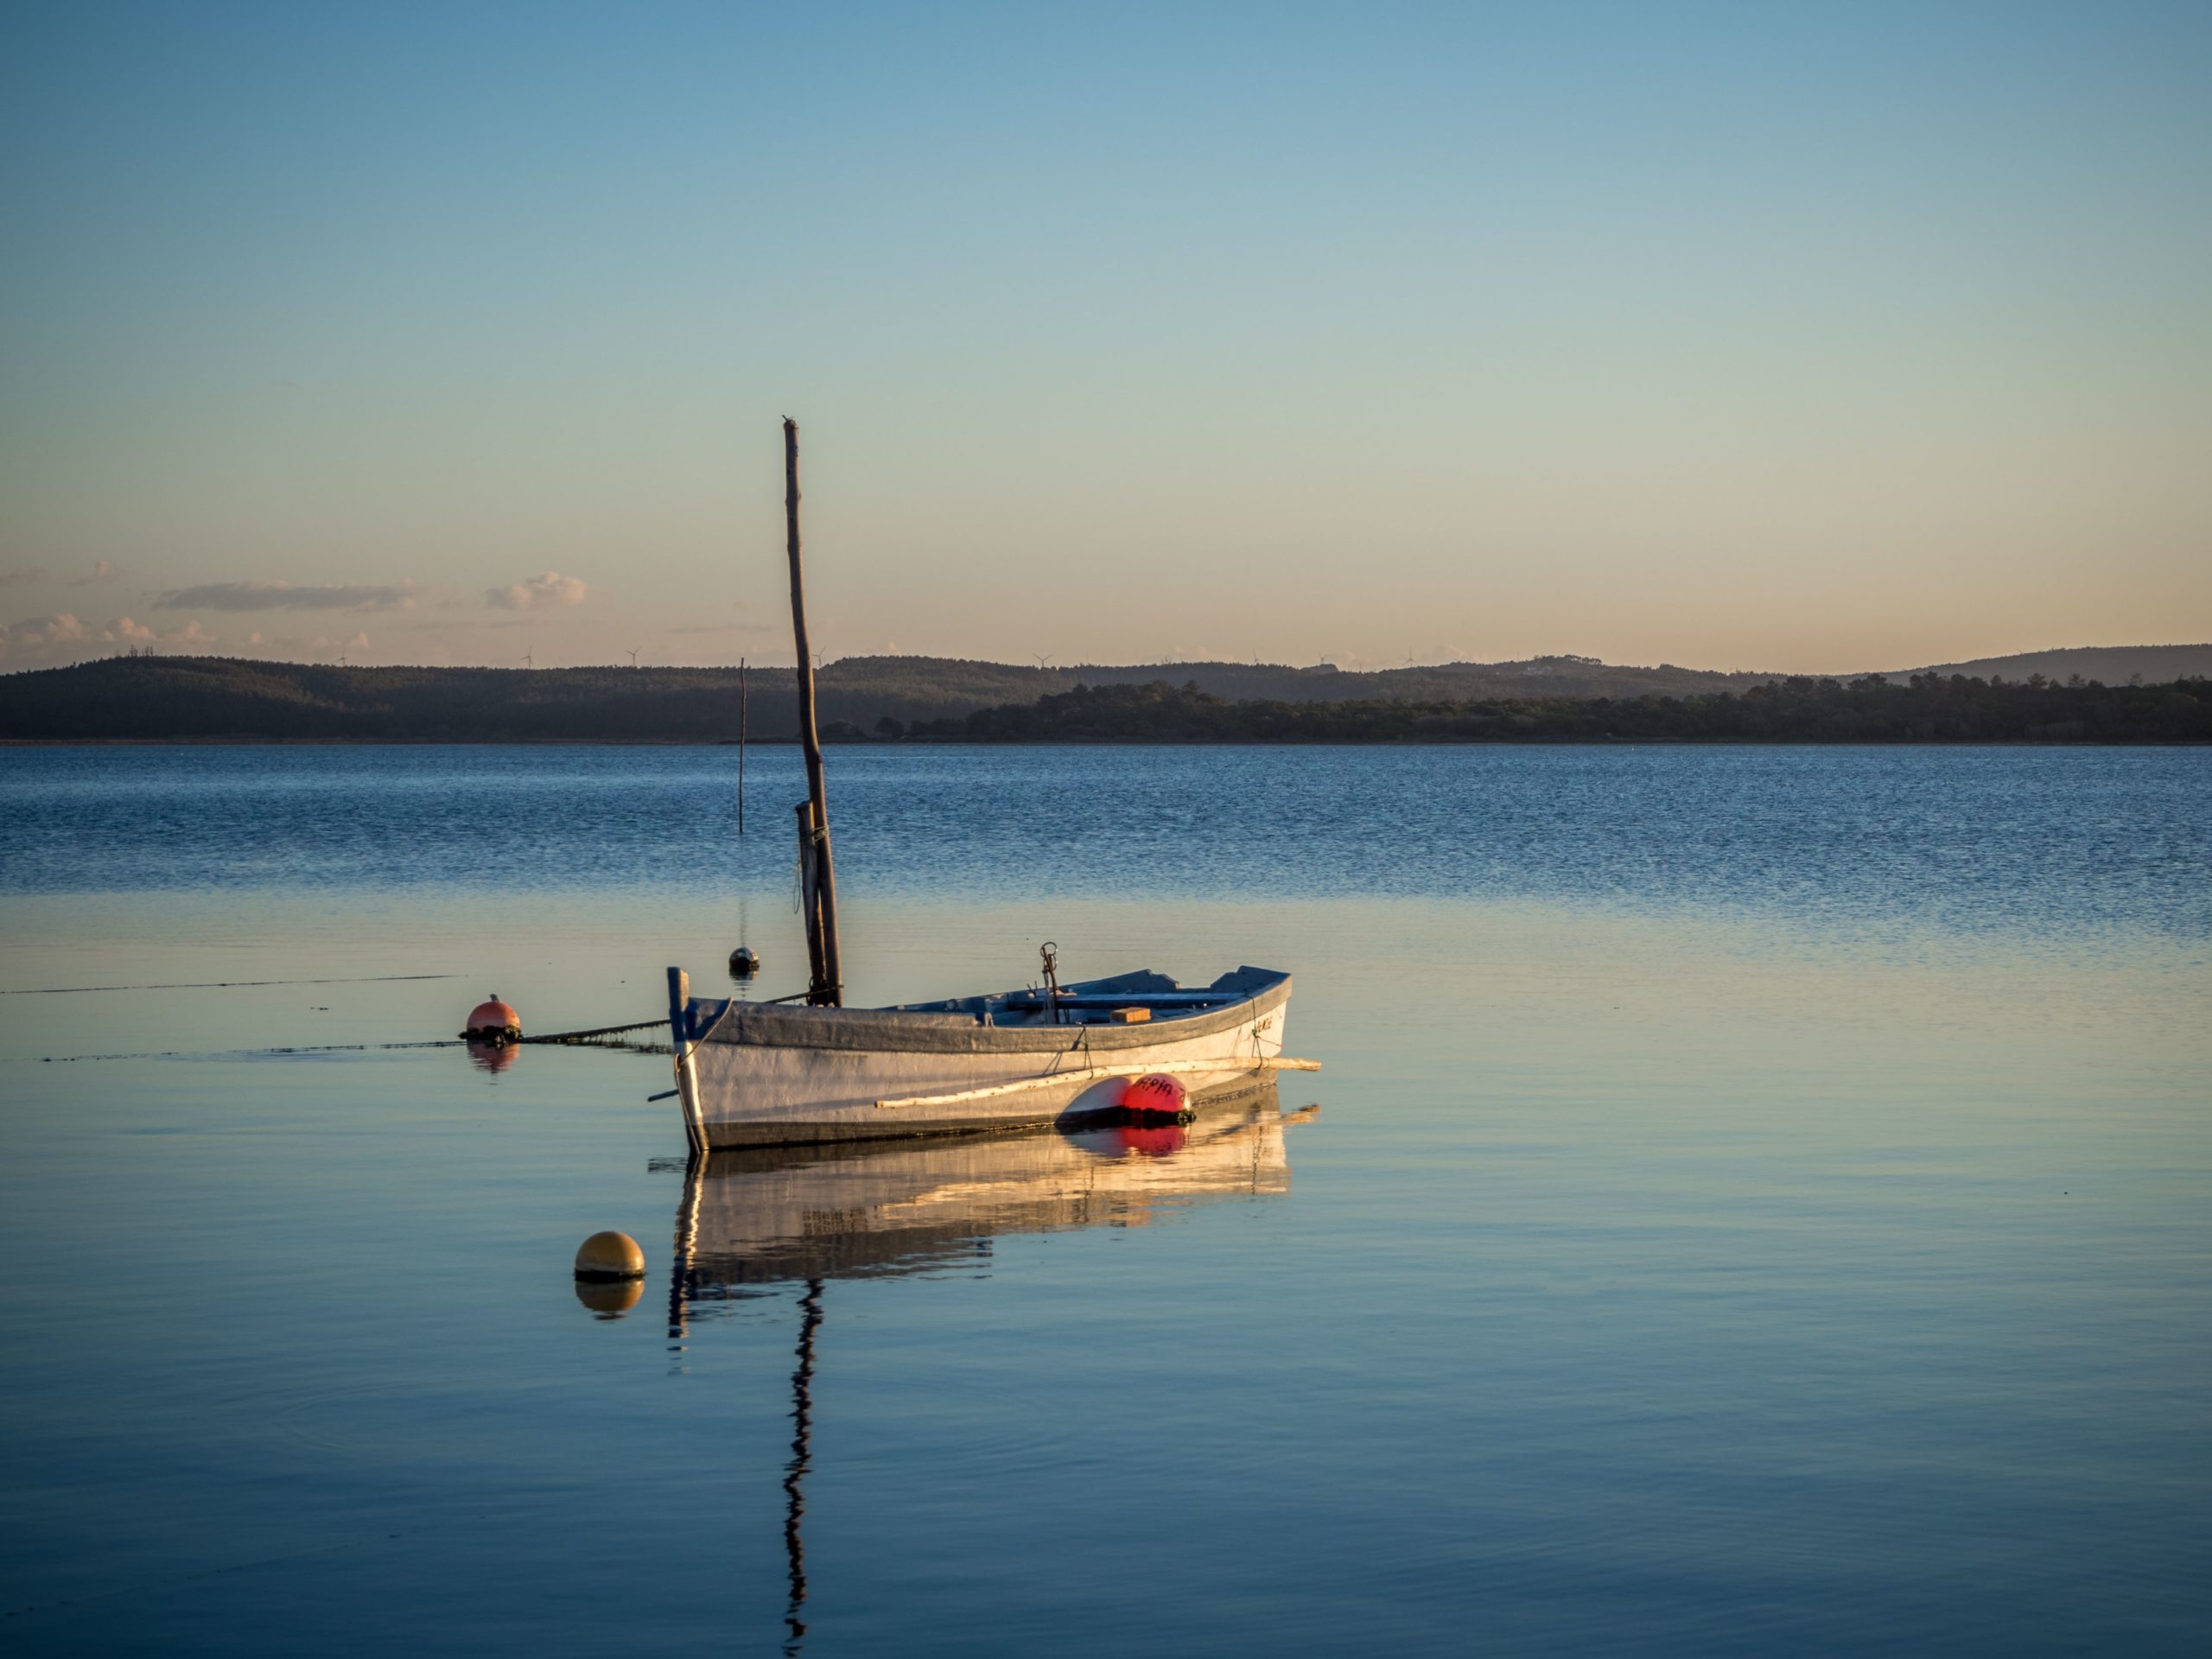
x=1801, y=337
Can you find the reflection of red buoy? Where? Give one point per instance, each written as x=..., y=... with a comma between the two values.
x=1150, y=1140
x=1156, y=1093
x=494, y=1057
x=493, y=1021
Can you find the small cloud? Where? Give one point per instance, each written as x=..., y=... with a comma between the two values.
x=103, y=571
x=543, y=591
x=61, y=630
x=287, y=596
x=28, y=573
x=69, y=638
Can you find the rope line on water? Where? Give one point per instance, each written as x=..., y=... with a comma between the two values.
x=575, y=1038
x=220, y=984
x=585, y=1036
x=241, y=1053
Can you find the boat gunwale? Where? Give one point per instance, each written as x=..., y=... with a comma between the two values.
x=895, y=1030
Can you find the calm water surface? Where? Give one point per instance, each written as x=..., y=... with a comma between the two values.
x=1760, y=1200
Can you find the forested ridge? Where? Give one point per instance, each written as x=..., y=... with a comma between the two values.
x=211, y=699
x=154, y=699
x=1926, y=708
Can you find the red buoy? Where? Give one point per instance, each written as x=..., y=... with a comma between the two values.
x=1156, y=1093
x=493, y=1021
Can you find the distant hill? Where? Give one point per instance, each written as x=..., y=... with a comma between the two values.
x=1929, y=709
x=2113, y=665
x=217, y=699
x=927, y=680
x=212, y=698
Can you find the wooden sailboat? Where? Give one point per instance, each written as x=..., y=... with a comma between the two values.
x=770, y=1074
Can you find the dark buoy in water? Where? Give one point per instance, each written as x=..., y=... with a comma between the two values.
x=493, y=1021
x=610, y=1257
x=743, y=963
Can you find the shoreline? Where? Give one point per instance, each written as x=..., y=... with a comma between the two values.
x=1514, y=742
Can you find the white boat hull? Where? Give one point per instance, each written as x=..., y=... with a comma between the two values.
x=751, y=1076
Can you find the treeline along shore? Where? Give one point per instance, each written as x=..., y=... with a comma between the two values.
x=1928, y=709
x=188, y=699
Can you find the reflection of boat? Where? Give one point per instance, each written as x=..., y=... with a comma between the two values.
x=756, y=1218
x=772, y=1216
x=764, y=1074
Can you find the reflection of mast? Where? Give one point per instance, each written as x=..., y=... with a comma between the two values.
x=687, y=1243
x=802, y=1458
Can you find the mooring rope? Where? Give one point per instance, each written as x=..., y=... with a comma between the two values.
x=219, y=984
x=577, y=1038
x=585, y=1036
x=242, y=1053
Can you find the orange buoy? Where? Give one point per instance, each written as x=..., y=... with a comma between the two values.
x=493, y=1021
x=1158, y=1093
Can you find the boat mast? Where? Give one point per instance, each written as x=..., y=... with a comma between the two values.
x=744, y=720
x=818, y=883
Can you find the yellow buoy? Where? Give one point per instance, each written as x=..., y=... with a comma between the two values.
x=610, y=1256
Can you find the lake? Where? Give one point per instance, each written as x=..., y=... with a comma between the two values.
x=1760, y=1199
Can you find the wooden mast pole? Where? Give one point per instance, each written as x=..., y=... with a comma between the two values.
x=744, y=720
x=829, y=986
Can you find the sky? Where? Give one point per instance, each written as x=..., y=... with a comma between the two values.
x=1806, y=338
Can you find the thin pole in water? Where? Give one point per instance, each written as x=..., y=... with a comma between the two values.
x=742, y=720
x=829, y=987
